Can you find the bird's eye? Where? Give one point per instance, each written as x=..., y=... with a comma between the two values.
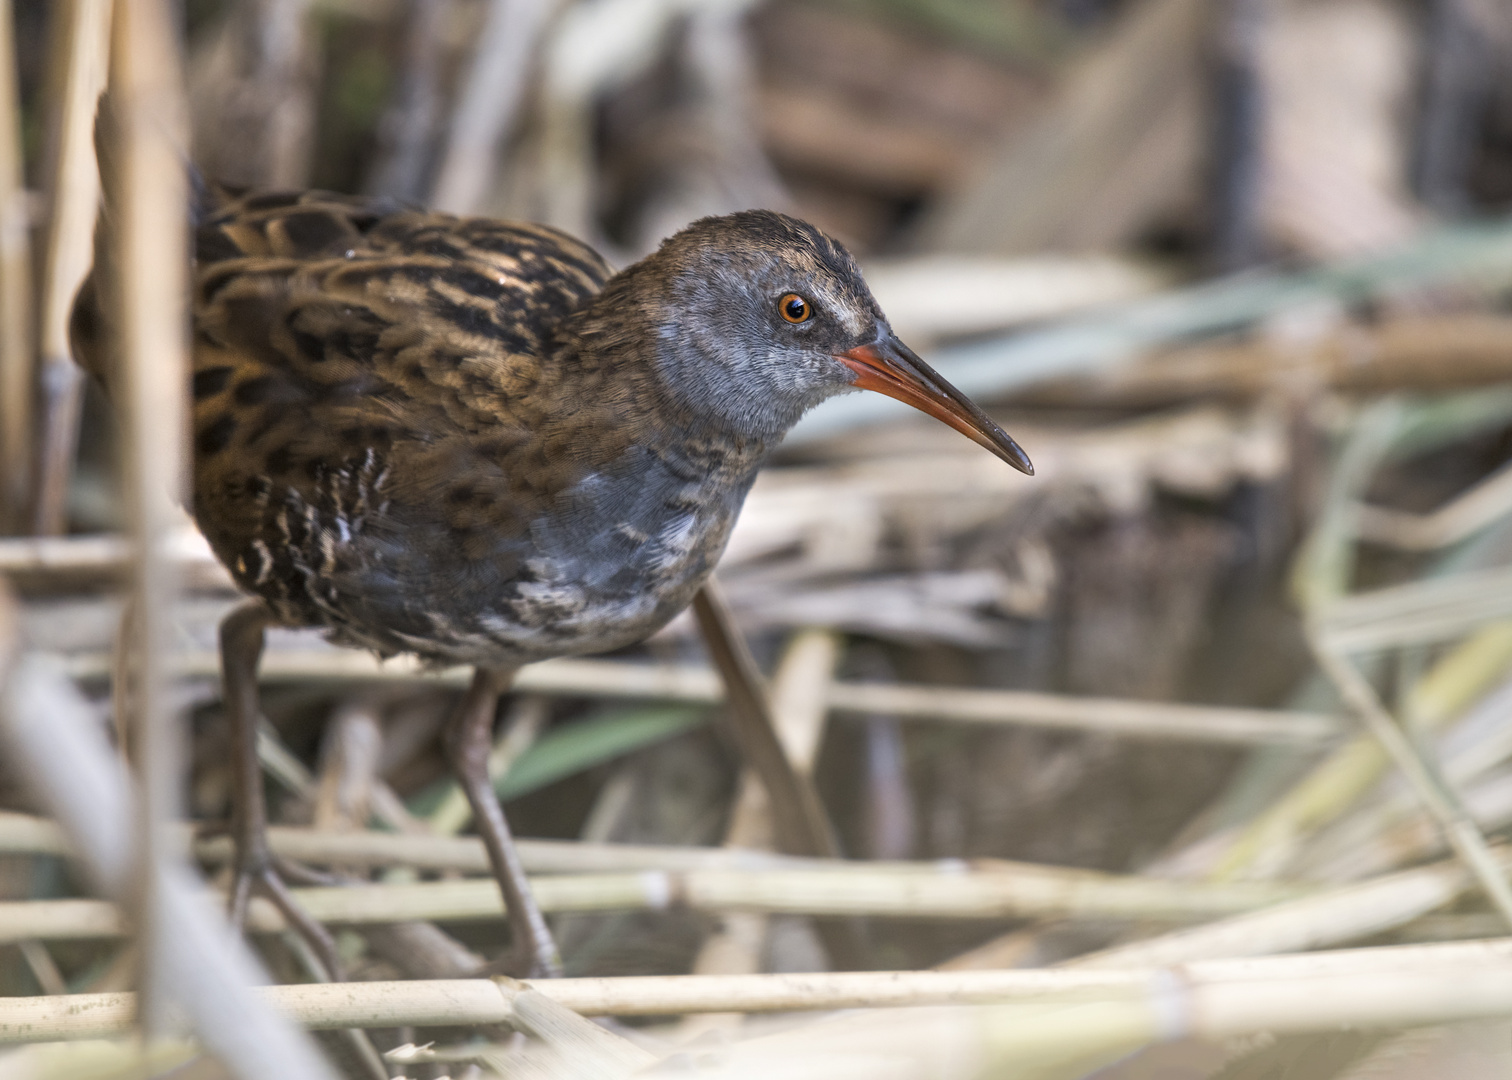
x=795, y=309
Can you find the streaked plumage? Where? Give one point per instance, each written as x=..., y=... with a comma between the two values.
x=417, y=432
x=466, y=439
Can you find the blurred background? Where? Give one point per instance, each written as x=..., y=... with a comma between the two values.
x=1236, y=273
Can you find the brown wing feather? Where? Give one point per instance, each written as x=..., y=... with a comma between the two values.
x=361, y=366
x=333, y=340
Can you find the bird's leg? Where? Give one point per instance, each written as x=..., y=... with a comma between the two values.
x=533, y=952
x=241, y=643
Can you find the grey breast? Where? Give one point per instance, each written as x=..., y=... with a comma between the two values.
x=610, y=561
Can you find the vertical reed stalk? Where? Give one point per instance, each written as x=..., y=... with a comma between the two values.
x=149, y=196
x=800, y=690
x=52, y=735
x=15, y=291
x=802, y=827
x=73, y=195
x=1437, y=795
x=490, y=100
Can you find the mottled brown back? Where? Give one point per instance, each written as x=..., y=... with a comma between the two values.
x=334, y=336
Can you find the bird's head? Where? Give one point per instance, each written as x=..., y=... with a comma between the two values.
x=760, y=316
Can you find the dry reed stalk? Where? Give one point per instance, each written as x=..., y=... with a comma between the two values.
x=1474, y=509
x=1395, y=834
x=1286, y=992
x=1419, y=612
x=482, y=1001
x=465, y=853
x=406, y=131
x=1201, y=451
x=147, y=130
x=23, y=834
x=1084, y=173
x=1323, y=569
x=43, y=967
x=66, y=920
x=1390, y=831
x=350, y=749
x=577, y=1047
x=699, y=685
x=16, y=315
x=41, y=556
x=801, y=694
x=1436, y=794
x=490, y=99
x=79, y=561
x=1346, y=913
x=799, y=688
x=1133, y=719
x=345, y=796
x=52, y=736
x=73, y=195
x=1457, y=679
x=573, y=62
x=1069, y=1040
x=98, y=1060
x=1431, y=352
x=1323, y=566
x=946, y=295
x=282, y=765
x=255, y=89
x=1015, y=949
x=1018, y=892
x=800, y=823
x=1270, y=842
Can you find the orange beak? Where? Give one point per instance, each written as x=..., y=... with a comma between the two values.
x=892, y=368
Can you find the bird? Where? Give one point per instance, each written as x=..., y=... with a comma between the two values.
x=470, y=441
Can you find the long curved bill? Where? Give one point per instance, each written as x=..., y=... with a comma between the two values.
x=890, y=367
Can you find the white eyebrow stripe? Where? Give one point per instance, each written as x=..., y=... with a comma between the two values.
x=849, y=317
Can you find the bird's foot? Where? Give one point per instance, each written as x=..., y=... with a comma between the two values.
x=259, y=873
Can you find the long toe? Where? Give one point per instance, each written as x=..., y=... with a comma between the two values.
x=259, y=876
